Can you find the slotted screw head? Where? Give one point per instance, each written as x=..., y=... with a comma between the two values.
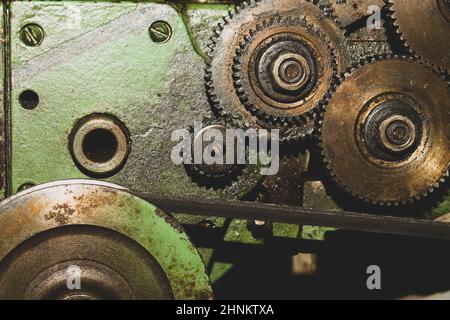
x=32, y=35
x=160, y=32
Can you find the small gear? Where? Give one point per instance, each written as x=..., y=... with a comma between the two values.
x=235, y=177
x=272, y=63
x=424, y=26
x=201, y=141
x=385, y=133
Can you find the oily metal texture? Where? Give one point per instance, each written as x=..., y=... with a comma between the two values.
x=391, y=83
x=124, y=247
x=227, y=94
x=288, y=31
x=424, y=25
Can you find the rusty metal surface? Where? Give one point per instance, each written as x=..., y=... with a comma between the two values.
x=346, y=147
x=349, y=11
x=249, y=20
x=33, y=217
x=424, y=25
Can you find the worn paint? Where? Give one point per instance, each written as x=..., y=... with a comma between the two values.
x=92, y=203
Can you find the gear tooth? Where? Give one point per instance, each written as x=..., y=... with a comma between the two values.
x=240, y=91
x=409, y=38
x=326, y=161
x=237, y=72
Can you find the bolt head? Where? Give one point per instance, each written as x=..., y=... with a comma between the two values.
x=397, y=133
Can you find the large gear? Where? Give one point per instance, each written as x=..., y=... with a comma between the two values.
x=272, y=63
x=425, y=27
x=385, y=133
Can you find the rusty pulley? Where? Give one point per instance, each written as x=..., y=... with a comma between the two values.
x=82, y=239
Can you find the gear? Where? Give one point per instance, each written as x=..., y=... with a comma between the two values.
x=424, y=27
x=213, y=174
x=117, y=245
x=236, y=178
x=271, y=65
x=384, y=134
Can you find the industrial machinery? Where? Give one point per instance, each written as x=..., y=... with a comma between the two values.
x=357, y=91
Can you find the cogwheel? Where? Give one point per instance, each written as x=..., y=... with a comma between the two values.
x=233, y=177
x=201, y=140
x=424, y=26
x=385, y=133
x=272, y=63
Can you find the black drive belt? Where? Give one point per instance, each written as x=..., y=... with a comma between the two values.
x=296, y=215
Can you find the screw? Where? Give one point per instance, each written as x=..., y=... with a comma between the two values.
x=160, y=32
x=32, y=35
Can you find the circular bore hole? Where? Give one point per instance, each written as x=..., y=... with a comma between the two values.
x=29, y=99
x=100, y=145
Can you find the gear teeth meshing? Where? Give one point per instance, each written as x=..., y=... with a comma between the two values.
x=320, y=121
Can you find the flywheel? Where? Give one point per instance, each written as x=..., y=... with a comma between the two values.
x=81, y=239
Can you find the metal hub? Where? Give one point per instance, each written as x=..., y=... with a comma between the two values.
x=285, y=71
x=397, y=133
x=99, y=145
x=291, y=72
x=392, y=129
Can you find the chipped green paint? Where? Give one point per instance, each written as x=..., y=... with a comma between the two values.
x=92, y=203
x=197, y=18
x=109, y=65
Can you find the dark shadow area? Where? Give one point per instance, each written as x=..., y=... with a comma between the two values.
x=409, y=267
